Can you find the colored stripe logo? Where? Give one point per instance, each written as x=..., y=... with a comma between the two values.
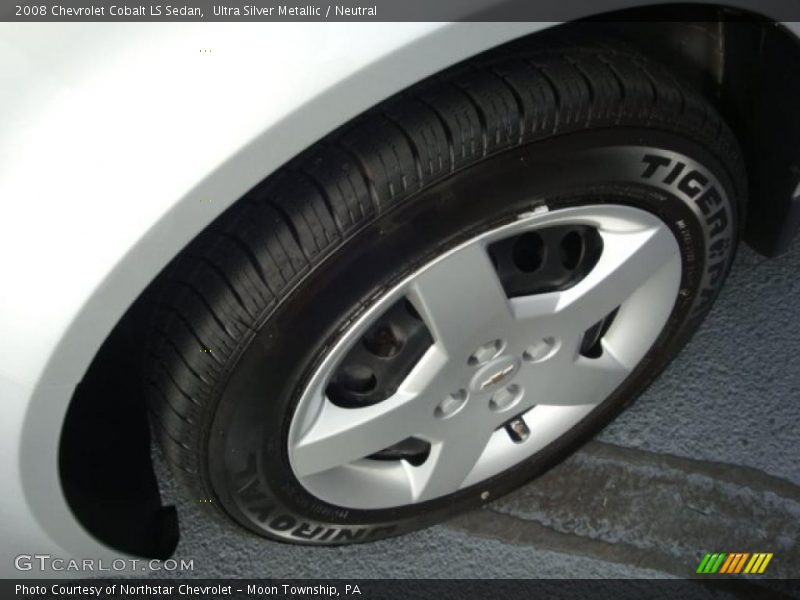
x=734, y=563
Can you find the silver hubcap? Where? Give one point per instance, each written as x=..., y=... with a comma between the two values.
x=504, y=376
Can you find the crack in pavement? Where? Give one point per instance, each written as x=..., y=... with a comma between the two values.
x=648, y=510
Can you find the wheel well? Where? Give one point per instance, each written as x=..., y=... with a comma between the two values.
x=104, y=457
x=746, y=66
x=739, y=61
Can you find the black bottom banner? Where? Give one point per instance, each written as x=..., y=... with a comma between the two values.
x=378, y=589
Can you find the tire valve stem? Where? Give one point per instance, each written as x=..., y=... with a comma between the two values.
x=517, y=430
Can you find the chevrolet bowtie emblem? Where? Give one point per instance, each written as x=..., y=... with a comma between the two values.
x=497, y=377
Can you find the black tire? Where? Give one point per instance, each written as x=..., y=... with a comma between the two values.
x=250, y=306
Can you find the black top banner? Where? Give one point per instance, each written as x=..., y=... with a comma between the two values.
x=379, y=10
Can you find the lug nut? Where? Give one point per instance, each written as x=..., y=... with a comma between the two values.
x=451, y=404
x=541, y=350
x=485, y=353
x=505, y=398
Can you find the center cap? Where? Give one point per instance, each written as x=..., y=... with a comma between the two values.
x=495, y=374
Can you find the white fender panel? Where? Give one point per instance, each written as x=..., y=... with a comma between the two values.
x=118, y=144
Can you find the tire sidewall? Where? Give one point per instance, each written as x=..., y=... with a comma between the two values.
x=247, y=459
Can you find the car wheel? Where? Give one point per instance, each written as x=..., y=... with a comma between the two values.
x=445, y=297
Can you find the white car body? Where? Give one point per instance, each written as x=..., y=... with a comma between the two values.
x=119, y=143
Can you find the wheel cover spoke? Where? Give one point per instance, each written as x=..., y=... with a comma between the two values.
x=448, y=466
x=339, y=436
x=574, y=380
x=628, y=260
x=459, y=296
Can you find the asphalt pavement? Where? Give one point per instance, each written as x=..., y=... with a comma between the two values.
x=707, y=460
